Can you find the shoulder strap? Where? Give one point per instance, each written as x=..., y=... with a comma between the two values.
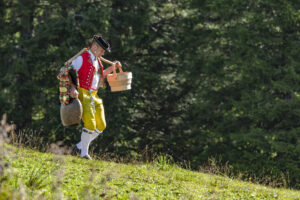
x=101, y=66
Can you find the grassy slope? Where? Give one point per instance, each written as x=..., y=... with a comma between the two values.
x=46, y=176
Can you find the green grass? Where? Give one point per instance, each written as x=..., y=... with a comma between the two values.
x=33, y=175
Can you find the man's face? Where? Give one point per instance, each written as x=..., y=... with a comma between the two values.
x=100, y=51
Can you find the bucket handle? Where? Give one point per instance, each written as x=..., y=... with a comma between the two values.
x=120, y=71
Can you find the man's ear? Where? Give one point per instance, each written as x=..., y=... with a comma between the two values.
x=94, y=46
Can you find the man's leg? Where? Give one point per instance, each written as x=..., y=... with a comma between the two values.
x=95, y=134
x=86, y=136
x=100, y=117
x=89, y=121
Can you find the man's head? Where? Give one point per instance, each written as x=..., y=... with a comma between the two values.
x=99, y=46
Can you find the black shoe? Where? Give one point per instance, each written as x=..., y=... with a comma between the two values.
x=88, y=157
x=75, y=150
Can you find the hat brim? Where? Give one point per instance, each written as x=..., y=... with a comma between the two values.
x=102, y=43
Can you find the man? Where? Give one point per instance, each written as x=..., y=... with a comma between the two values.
x=91, y=74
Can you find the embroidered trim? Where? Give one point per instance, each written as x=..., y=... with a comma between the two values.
x=65, y=83
x=97, y=131
x=87, y=131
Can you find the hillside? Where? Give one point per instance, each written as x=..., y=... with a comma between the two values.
x=210, y=79
x=33, y=175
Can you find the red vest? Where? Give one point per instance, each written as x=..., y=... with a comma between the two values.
x=87, y=71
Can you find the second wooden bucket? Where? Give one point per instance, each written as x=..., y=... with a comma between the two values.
x=119, y=81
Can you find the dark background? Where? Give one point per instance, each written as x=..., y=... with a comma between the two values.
x=211, y=79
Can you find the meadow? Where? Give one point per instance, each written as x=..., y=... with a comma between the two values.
x=29, y=174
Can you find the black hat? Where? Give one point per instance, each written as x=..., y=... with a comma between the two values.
x=105, y=45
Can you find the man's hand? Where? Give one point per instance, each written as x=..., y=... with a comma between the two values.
x=117, y=64
x=112, y=68
x=73, y=92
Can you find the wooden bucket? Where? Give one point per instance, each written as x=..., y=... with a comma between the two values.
x=119, y=81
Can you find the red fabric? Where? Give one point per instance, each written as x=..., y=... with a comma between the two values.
x=86, y=72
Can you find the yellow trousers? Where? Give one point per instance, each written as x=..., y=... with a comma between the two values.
x=93, y=118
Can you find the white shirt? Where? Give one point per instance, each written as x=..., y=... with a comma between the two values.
x=77, y=63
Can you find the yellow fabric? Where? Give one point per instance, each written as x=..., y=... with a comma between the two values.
x=91, y=118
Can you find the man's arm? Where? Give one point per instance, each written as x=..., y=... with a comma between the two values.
x=73, y=91
x=111, y=68
x=77, y=64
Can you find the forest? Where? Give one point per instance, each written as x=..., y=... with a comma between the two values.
x=211, y=79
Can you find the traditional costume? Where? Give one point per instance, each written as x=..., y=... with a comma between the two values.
x=91, y=76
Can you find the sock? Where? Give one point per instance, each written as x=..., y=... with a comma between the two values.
x=95, y=134
x=79, y=145
x=85, y=142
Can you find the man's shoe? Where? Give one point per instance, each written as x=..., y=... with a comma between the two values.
x=75, y=150
x=88, y=157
